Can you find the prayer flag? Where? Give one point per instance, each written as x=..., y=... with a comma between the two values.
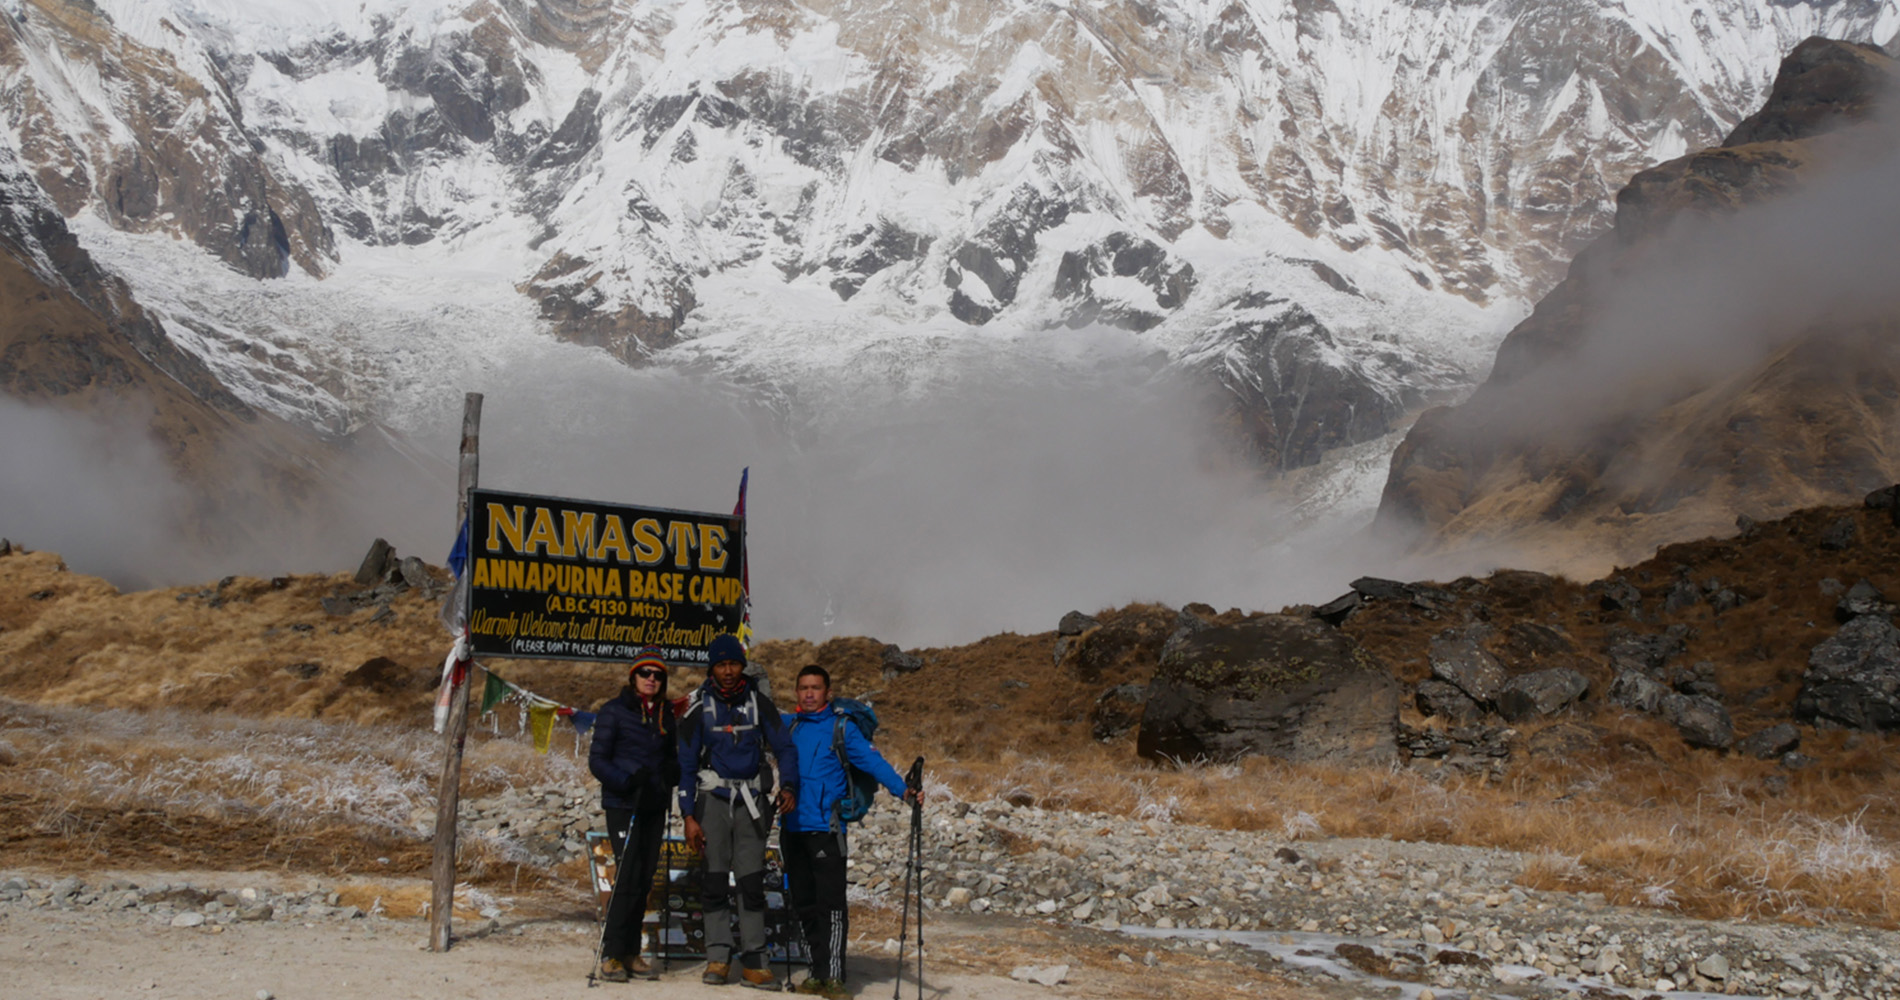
x=494, y=690
x=541, y=725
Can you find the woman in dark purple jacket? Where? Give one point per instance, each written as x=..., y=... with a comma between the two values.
x=635, y=756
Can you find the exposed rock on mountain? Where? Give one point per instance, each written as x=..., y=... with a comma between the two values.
x=1279, y=686
x=137, y=121
x=1729, y=348
x=811, y=181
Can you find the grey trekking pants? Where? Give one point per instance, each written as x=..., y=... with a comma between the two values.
x=735, y=844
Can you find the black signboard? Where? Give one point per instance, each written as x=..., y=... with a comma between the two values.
x=575, y=580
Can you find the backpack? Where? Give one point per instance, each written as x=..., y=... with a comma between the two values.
x=860, y=787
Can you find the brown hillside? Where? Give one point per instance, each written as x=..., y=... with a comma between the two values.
x=1607, y=429
x=1626, y=800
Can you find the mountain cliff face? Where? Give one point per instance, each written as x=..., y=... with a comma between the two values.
x=1322, y=208
x=1728, y=348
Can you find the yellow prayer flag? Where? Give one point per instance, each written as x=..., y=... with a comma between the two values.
x=541, y=724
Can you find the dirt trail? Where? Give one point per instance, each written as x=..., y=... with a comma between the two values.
x=76, y=955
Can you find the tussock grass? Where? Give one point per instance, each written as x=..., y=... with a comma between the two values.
x=281, y=789
x=1709, y=838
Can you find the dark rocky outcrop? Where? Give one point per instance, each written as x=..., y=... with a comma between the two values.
x=1280, y=686
x=1121, y=255
x=1862, y=598
x=1635, y=689
x=1853, y=677
x=1442, y=699
x=1116, y=711
x=1465, y=664
x=1701, y=720
x=1541, y=693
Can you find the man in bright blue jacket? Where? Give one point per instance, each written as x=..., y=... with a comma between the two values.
x=726, y=799
x=812, y=840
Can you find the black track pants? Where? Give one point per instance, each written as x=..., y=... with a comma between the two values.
x=814, y=864
x=621, y=937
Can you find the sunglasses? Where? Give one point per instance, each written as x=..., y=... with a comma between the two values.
x=650, y=674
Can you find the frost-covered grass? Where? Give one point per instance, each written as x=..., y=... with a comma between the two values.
x=1711, y=837
x=296, y=775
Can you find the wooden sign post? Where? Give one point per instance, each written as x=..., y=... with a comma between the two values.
x=448, y=794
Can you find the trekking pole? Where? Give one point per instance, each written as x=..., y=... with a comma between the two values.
x=913, y=863
x=917, y=861
x=600, y=940
x=662, y=949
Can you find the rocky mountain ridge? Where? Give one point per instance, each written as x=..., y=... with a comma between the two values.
x=1693, y=366
x=1260, y=195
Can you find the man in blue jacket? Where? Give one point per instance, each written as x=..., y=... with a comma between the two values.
x=813, y=839
x=725, y=798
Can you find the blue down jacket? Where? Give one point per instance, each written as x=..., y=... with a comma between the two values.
x=730, y=736
x=822, y=779
x=635, y=754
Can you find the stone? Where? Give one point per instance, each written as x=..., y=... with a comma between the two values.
x=415, y=573
x=896, y=661
x=1336, y=611
x=1638, y=691
x=1767, y=744
x=1620, y=595
x=376, y=564
x=1681, y=597
x=1853, y=677
x=1882, y=498
x=1541, y=693
x=1464, y=663
x=1116, y=711
x=1076, y=623
x=1713, y=967
x=1445, y=700
x=1280, y=686
x=1435, y=599
x=1042, y=975
x=1840, y=533
x=251, y=912
x=1862, y=598
x=1373, y=588
x=6, y=547
x=1701, y=720
x=190, y=918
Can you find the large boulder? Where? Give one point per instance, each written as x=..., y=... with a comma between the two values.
x=1853, y=677
x=1701, y=720
x=1445, y=700
x=1279, y=686
x=1462, y=662
x=1541, y=693
x=1636, y=690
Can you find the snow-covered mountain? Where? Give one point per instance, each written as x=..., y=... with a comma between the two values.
x=1330, y=208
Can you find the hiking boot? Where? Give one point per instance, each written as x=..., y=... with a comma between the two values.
x=758, y=979
x=835, y=989
x=715, y=974
x=613, y=970
x=641, y=967
x=812, y=987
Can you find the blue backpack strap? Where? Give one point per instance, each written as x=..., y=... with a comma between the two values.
x=844, y=763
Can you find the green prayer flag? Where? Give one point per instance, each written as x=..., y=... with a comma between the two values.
x=493, y=692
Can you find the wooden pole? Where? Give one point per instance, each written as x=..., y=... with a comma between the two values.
x=448, y=795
